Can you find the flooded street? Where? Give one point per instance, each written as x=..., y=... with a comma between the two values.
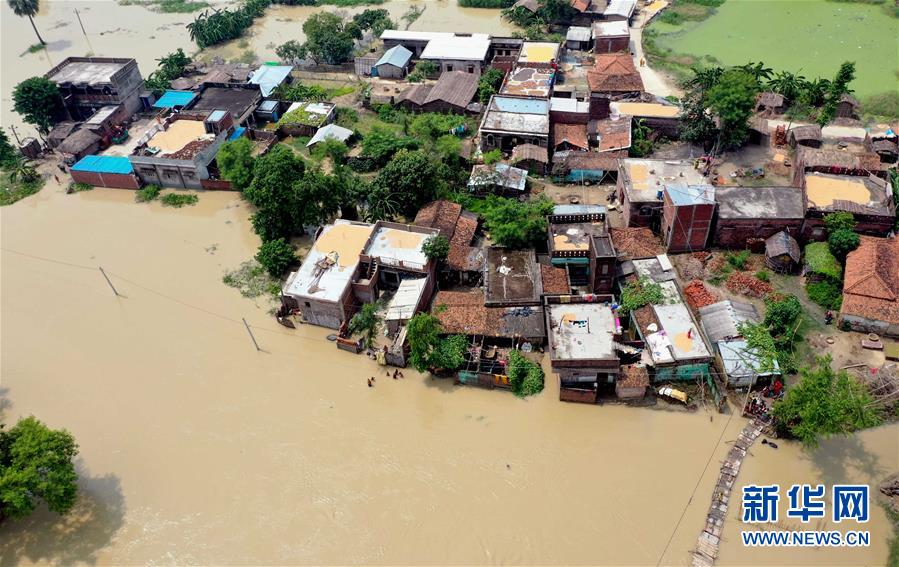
x=197, y=449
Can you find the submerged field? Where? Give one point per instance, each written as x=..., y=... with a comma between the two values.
x=813, y=36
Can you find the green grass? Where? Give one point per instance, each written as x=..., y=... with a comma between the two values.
x=79, y=187
x=12, y=191
x=168, y=6
x=812, y=35
x=179, y=200
x=147, y=194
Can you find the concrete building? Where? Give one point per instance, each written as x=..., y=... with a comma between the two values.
x=871, y=287
x=869, y=198
x=458, y=53
x=747, y=214
x=641, y=186
x=611, y=37
x=539, y=54
x=414, y=41
x=687, y=215
x=620, y=10
x=240, y=101
x=580, y=244
x=87, y=84
x=306, y=117
x=510, y=121
x=105, y=171
x=511, y=278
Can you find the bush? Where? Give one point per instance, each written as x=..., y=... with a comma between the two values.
x=436, y=247
x=827, y=294
x=179, y=200
x=525, y=377
x=885, y=105
x=762, y=275
x=737, y=259
x=147, y=194
x=276, y=256
x=493, y=156
x=79, y=187
x=841, y=242
x=781, y=314
x=639, y=293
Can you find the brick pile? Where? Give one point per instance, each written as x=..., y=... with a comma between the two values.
x=745, y=284
x=698, y=295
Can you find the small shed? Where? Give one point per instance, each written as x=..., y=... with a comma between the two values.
x=83, y=142
x=175, y=99
x=330, y=131
x=579, y=39
x=771, y=103
x=105, y=171
x=782, y=253
x=394, y=64
x=887, y=149
x=498, y=178
x=531, y=157
x=61, y=131
x=847, y=107
x=808, y=135
x=269, y=77
x=743, y=365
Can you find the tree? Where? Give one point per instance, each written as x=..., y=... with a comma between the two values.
x=37, y=100
x=839, y=220
x=291, y=51
x=381, y=143
x=169, y=68
x=515, y=224
x=27, y=8
x=824, y=403
x=814, y=92
x=837, y=88
x=525, y=377
x=20, y=169
x=8, y=153
x=327, y=38
x=489, y=84
x=376, y=20
x=276, y=256
x=841, y=242
x=235, y=161
x=331, y=148
x=366, y=323
x=781, y=314
x=423, y=70
x=757, y=71
x=732, y=99
x=436, y=247
x=36, y=463
x=411, y=179
x=278, y=208
x=448, y=146
x=642, y=145
x=788, y=84
x=423, y=335
x=449, y=354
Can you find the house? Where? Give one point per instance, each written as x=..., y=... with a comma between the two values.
x=580, y=244
x=744, y=367
x=782, y=253
x=530, y=157
x=465, y=313
x=511, y=278
x=871, y=287
x=610, y=134
x=570, y=137
x=579, y=38
x=568, y=111
x=452, y=93
x=306, y=117
x=89, y=83
x=612, y=78
x=887, y=149
x=106, y=121
x=268, y=111
x=238, y=100
x=177, y=152
x=869, y=199
x=175, y=100
x=330, y=132
x=663, y=119
x=751, y=214
x=586, y=168
x=61, y=131
x=808, y=135
x=269, y=77
x=534, y=82
x=555, y=280
x=741, y=363
x=847, y=107
x=394, y=64
x=611, y=37
x=620, y=10
x=510, y=121
x=105, y=171
x=770, y=103
x=404, y=303
x=582, y=333
x=836, y=162
x=687, y=215
x=464, y=261
x=219, y=73
x=79, y=144
x=641, y=186
x=498, y=178
x=458, y=53
x=539, y=54
x=417, y=41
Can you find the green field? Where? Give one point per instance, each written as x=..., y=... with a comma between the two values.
x=812, y=35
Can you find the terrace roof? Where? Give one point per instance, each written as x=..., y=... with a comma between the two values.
x=581, y=331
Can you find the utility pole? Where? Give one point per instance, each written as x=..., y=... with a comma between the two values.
x=80, y=22
x=16, y=134
x=251, y=333
x=109, y=282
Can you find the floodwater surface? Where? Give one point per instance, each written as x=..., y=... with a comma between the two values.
x=196, y=448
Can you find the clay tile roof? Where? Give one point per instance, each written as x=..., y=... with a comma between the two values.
x=614, y=134
x=633, y=376
x=870, y=286
x=614, y=72
x=462, y=256
x=574, y=134
x=636, y=242
x=441, y=214
x=523, y=152
x=464, y=313
x=580, y=5
x=555, y=280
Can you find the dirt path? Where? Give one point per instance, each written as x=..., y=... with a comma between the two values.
x=653, y=81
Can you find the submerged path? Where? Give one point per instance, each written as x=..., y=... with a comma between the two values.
x=707, y=544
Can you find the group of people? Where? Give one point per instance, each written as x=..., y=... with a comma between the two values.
x=396, y=375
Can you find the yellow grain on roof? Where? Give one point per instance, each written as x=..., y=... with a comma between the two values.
x=540, y=52
x=650, y=109
x=345, y=239
x=639, y=176
x=178, y=135
x=822, y=191
x=564, y=242
x=404, y=239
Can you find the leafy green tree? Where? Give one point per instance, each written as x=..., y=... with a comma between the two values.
x=331, y=148
x=376, y=20
x=36, y=463
x=235, y=161
x=835, y=91
x=436, y=247
x=278, y=207
x=423, y=335
x=525, y=377
x=825, y=403
x=841, y=242
x=757, y=71
x=27, y=8
x=423, y=70
x=276, y=256
x=381, y=143
x=20, y=169
x=839, y=220
x=291, y=51
x=411, y=179
x=781, y=314
x=169, y=68
x=366, y=322
x=813, y=93
x=788, y=84
x=8, y=153
x=37, y=100
x=493, y=156
x=327, y=38
x=641, y=145
x=448, y=146
x=732, y=99
x=449, y=355
x=514, y=224
x=489, y=83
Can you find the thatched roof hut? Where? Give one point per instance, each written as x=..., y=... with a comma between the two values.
x=81, y=143
x=808, y=135
x=847, y=107
x=774, y=103
x=782, y=253
x=888, y=150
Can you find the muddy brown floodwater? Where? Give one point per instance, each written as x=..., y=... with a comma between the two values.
x=195, y=448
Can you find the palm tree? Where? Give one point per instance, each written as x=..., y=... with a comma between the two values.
x=757, y=70
x=705, y=78
x=788, y=84
x=366, y=323
x=23, y=170
x=27, y=8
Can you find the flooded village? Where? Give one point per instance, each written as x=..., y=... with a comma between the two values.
x=367, y=283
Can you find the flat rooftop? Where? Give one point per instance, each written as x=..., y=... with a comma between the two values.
x=458, y=48
x=647, y=177
x=93, y=72
x=645, y=109
x=512, y=114
x=611, y=29
x=759, y=202
x=179, y=134
x=678, y=338
x=529, y=81
x=575, y=237
x=512, y=276
x=395, y=246
x=823, y=189
x=538, y=52
x=331, y=262
x=581, y=331
x=235, y=100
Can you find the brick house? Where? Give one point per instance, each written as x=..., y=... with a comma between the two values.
x=871, y=288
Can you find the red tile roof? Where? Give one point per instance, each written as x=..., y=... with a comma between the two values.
x=462, y=256
x=555, y=280
x=464, y=313
x=574, y=134
x=614, y=134
x=441, y=214
x=870, y=285
x=614, y=72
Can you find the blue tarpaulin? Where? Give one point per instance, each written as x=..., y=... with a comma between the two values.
x=238, y=132
x=104, y=164
x=171, y=99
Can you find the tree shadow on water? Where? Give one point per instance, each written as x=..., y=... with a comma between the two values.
x=842, y=458
x=77, y=537
x=5, y=403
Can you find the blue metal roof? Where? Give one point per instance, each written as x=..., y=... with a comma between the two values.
x=268, y=77
x=521, y=105
x=216, y=115
x=238, y=132
x=398, y=56
x=172, y=99
x=104, y=164
x=691, y=194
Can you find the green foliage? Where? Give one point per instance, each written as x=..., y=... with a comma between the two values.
x=838, y=87
x=759, y=339
x=763, y=276
x=291, y=51
x=423, y=70
x=329, y=39
x=820, y=260
x=147, y=194
x=516, y=224
x=9, y=155
x=732, y=99
x=782, y=314
x=376, y=20
x=221, y=25
x=636, y=294
x=252, y=280
x=27, y=8
x=641, y=144
x=525, y=376
x=448, y=146
x=298, y=92
x=429, y=126
x=841, y=242
x=272, y=193
x=331, y=148
x=493, y=156
x=235, y=162
x=489, y=83
x=883, y=105
x=436, y=247
x=449, y=355
x=13, y=188
x=178, y=200
x=409, y=180
x=346, y=117
x=276, y=256
x=382, y=143
x=38, y=101
x=486, y=3
x=169, y=68
x=824, y=403
x=366, y=323
x=737, y=259
x=428, y=350
x=36, y=463
x=839, y=220
x=81, y=187
x=827, y=294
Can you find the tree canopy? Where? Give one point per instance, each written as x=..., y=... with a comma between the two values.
x=436, y=247
x=276, y=256
x=525, y=377
x=38, y=101
x=235, y=161
x=409, y=180
x=170, y=68
x=732, y=99
x=366, y=323
x=835, y=91
x=36, y=463
x=278, y=209
x=428, y=350
x=329, y=39
x=515, y=224
x=28, y=8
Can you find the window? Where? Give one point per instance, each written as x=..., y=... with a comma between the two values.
x=605, y=269
x=308, y=304
x=449, y=68
x=471, y=68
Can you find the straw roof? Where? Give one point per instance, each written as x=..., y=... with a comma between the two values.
x=780, y=244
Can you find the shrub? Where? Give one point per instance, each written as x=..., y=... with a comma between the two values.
x=493, y=156
x=841, y=242
x=525, y=377
x=436, y=247
x=79, y=187
x=179, y=200
x=781, y=314
x=737, y=259
x=276, y=256
x=827, y=294
x=147, y=194
x=639, y=293
x=763, y=276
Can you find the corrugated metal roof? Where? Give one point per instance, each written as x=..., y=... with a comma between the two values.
x=742, y=361
x=104, y=164
x=172, y=99
x=458, y=48
x=398, y=56
x=268, y=77
x=691, y=194
x=611, y=29
x=722, y=319
x=216, y=115
x=576, y=33
x=621, y=8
